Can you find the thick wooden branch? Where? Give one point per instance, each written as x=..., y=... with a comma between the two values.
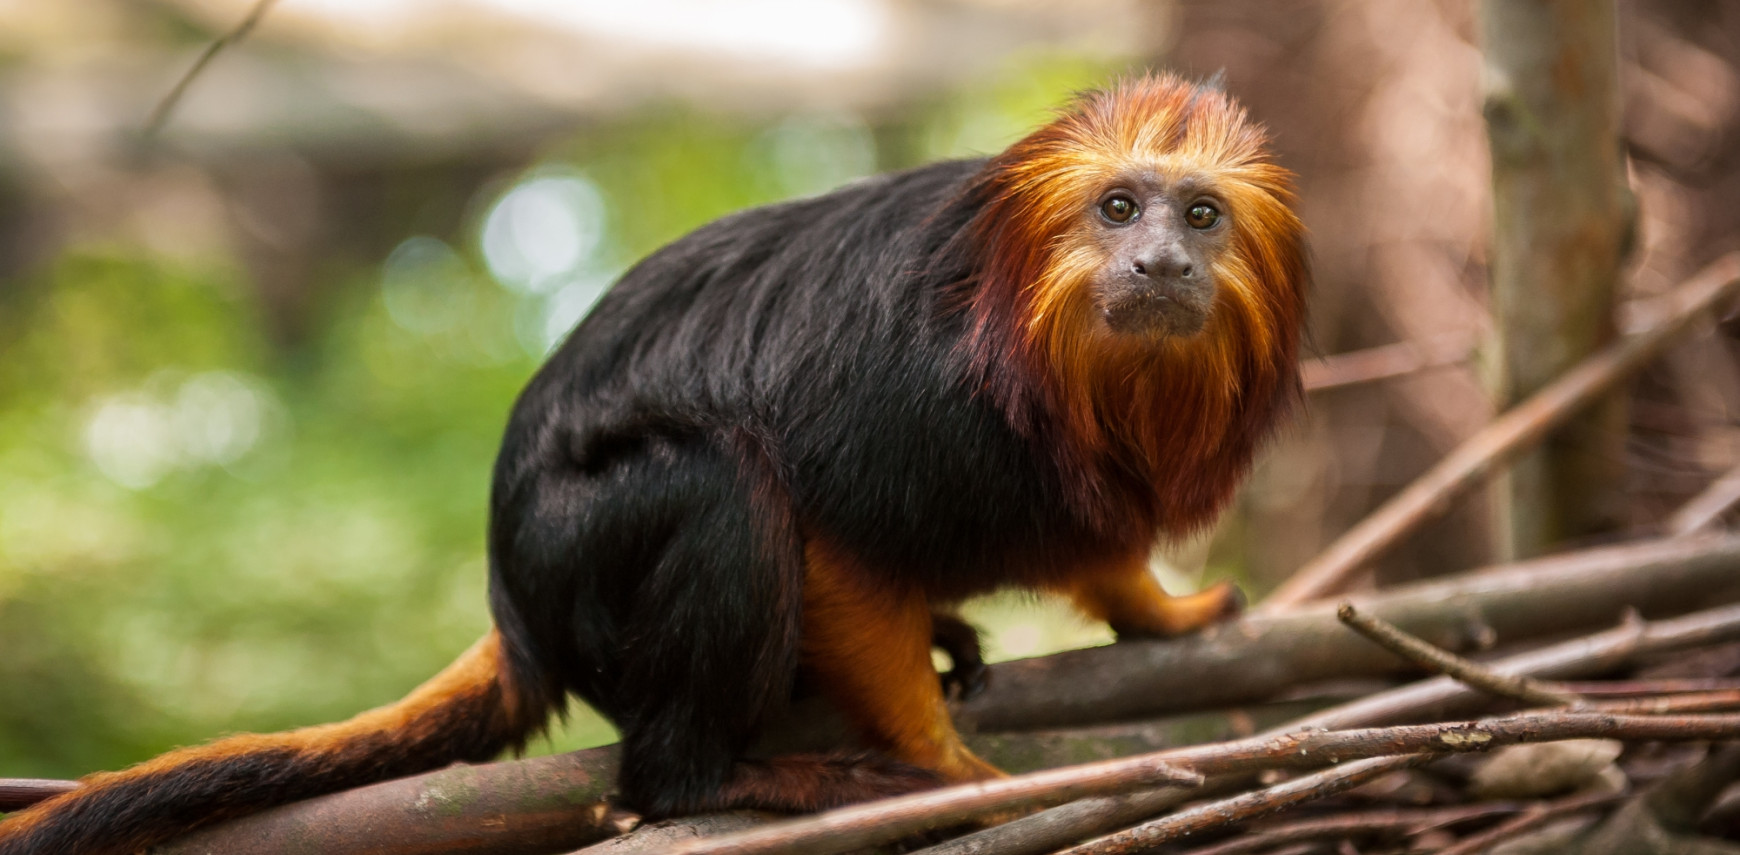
x=527, y=807
x=1431, y=494
x=1254, y=658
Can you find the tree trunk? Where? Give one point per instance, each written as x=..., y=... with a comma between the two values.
x=1559, y=228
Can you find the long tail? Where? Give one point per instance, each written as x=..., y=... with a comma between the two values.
x=472, y=710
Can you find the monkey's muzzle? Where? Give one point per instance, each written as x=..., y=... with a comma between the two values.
x=1156, y=308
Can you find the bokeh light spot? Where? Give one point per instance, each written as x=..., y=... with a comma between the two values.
x=542, y=228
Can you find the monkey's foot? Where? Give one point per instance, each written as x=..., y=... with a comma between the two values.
x=1171, y=616
x=960, y=640
x=805, y=783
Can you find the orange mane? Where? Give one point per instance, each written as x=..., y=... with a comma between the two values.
x=1176, y=420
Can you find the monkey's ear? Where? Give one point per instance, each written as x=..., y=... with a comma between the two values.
x=1215, y=82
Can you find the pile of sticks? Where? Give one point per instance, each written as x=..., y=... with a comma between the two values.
x=1301, y=705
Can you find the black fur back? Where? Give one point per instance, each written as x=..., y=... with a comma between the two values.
x=789, y=369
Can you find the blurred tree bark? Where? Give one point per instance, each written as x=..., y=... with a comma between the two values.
x=1559, y=231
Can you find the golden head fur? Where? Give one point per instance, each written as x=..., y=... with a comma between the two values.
x=1155, y=406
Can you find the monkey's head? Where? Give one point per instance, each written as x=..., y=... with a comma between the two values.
x=1146, y=212
x=1141, y=248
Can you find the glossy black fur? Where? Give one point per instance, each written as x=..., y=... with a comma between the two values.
x=791, y=370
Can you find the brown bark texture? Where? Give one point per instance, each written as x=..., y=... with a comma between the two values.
x=1558, y=234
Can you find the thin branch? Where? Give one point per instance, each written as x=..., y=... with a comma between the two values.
x=1058, y=827
x=1506, y=436
x=1528, y=820
x=1688, y=702
x=658, y=838
x=1389, y=823
x=1439, y=660
x=1578, y=656
x=1637, y=688
x=1245, y=807
x=1385, y=362
x=160, y=115
x=880, y=822
x=890, y=819
x=20, y=793
x=1704, y=509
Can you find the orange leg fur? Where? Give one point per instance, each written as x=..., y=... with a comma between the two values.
x=868, y=646
x=1128, y=598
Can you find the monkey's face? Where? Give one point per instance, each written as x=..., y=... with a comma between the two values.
x=1158, y=240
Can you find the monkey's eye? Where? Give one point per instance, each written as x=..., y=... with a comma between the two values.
x=1202, y=216
x=1119, y=209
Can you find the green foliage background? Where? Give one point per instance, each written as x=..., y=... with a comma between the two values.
x=340, y=560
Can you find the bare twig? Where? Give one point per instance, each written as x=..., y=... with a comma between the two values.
x=1578, y=656
x=1393, y=822
x=1437, y=659
x=1245, y=807
x=658, y=838
x=160, y=114
x=1637, y=688
x=1386, y=361
x=1528, y=820
x=1502, y=439
x=1718, y=701
x=1704, y=509
x=1058, y=827
x=879, y=822
x=19, y=793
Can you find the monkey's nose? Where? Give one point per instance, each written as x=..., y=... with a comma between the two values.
x=1163, y=267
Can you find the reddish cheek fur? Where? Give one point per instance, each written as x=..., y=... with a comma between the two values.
x=1148, y=436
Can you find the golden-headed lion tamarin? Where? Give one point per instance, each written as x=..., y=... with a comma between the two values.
x=781, y=443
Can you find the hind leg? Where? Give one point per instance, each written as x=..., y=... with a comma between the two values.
x=702, y=587
x=710, y=644
x=1128, y=598
x=868, y=643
